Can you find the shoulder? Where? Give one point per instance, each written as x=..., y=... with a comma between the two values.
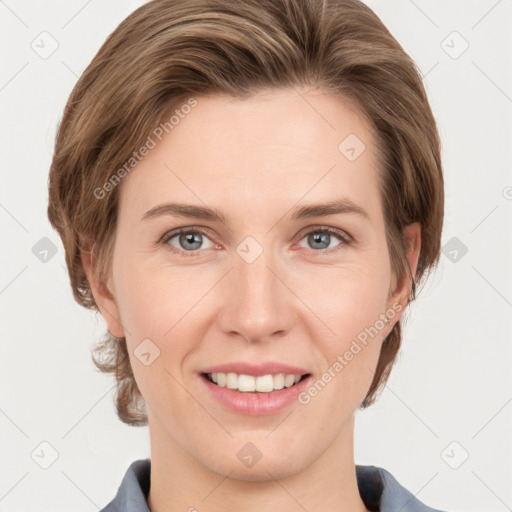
x=133, y=491
x=381, y=492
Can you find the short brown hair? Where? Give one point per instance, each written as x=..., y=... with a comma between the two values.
x=167, y=51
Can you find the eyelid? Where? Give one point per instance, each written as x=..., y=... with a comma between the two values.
x=341, y=233
x=185, y=229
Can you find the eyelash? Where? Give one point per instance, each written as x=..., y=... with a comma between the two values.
x=343, y=237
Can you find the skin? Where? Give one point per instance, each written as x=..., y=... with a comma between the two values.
x=255, y=160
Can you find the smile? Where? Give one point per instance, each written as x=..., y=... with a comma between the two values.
x=260, y=395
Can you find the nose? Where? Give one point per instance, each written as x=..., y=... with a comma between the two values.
x=257, y=302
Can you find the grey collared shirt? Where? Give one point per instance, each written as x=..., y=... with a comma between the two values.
x=379, y=491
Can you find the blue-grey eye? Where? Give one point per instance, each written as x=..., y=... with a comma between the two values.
x=189, y=240
x=321, y=239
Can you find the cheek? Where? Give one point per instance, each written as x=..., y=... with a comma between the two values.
x=351, y=303
x=156, y=305
x=345, y=300
x=154, y=300
x=359, y=310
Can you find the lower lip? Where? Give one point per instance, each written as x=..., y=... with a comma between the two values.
x=256, y=404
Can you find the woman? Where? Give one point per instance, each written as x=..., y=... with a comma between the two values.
x=249, y=193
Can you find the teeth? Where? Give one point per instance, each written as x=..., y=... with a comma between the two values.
x=248, y=383
x=279, y=381
x=232, y=381
x=263, y=384
x=289, y=380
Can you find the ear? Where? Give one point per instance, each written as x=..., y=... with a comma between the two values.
x=411, y=236
x=103, y=297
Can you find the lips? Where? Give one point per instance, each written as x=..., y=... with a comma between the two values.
x=256, y=390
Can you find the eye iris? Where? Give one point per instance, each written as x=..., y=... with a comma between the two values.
x=190, y=238
x=320, y=238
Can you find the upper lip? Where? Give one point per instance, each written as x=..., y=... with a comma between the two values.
x=256, y=370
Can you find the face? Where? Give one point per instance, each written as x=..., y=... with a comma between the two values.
x=279, y=285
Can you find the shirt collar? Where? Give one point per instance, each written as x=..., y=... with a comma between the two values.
x=379, y=490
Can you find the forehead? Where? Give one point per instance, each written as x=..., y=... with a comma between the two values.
x=272, y=148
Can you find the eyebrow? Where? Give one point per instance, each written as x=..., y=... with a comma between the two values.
x=303, y=212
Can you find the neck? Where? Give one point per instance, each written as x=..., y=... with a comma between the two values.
x=180, y=483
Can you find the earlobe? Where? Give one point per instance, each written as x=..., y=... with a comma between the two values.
x=104, y=299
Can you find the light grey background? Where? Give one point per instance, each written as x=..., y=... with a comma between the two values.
x=449, y=395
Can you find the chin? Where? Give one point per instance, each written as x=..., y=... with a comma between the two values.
x=252, y=459
x=260, y=472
